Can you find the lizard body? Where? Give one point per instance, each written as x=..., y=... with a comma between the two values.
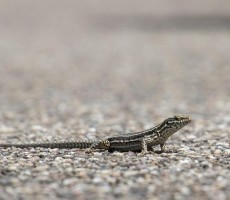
x=139, y=141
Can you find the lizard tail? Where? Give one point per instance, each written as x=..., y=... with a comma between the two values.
x=61, y=145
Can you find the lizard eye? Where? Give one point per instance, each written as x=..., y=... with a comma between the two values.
x=169, y=122
x=177, y=117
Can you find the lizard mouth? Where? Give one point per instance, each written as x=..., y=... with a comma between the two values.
x=186, y=121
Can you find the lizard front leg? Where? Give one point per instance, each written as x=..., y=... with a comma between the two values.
x=144, y=145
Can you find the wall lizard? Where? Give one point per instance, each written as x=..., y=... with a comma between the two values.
x=139, y=141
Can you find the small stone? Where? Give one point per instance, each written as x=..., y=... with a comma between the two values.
x=97, y=180
x=185, y=161
x=58, y=159
x=68, y=156
x=38, y=128
x=130, y=173
x=217, y=152
x=82, y=174
x=211, y=157
x=119, y=154
x=185, y=190
x=92, y=129
x=6, y=129
x=13, y=168
x=226, y=151
x=70, y=181
x=94, y=159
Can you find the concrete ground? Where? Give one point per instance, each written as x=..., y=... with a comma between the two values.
x=91, y=69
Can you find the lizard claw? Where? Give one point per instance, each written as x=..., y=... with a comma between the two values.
x=143, y=153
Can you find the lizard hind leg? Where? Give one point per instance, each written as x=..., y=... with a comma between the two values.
x=162, y=147
x=99, y=144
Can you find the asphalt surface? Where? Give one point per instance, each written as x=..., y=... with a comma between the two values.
x=76, y=70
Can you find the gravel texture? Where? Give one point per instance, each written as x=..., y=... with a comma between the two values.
x=77, y=69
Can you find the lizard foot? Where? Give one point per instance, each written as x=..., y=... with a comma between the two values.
x=143, y=153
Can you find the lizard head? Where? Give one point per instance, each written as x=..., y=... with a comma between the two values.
x=173, y=124
x=178, y=121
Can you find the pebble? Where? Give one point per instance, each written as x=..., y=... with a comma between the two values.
x=185, y=161
x=70, y=181
x=217, y=152
x=59, y=159
x=67, y=157
x=6, y=129
x=38, y=128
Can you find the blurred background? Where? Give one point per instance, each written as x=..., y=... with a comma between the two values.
x=80, y=69
x=163, y=57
